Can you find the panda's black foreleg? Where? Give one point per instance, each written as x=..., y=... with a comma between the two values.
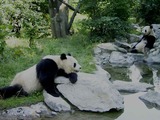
x=73, y=77
x=9, y=91
x=51, y=89
x=134, y=51
x=46, y=72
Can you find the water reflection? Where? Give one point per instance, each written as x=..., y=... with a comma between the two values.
x=134, y=73
x=156, y=80
x=78, y=115
x=135, y=109
x=138, y=72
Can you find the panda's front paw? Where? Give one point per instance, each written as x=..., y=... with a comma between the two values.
x=73, y=77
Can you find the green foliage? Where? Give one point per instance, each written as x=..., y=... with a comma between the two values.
x=20, y=58
x=107, y=27
x=107, y=18
x=149, y=11
x=2, y=35
x=26, y=17
x=118, y=8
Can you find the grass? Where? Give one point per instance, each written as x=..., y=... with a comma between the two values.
x=20, y=58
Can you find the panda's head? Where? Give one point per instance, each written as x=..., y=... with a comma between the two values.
x=148, y=30
x=69, y=64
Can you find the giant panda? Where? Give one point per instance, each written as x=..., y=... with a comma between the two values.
x=42, y=76
x=146, y=42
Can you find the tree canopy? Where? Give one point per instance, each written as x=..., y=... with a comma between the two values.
x=31, y=19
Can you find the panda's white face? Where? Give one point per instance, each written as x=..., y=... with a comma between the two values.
x=70, y=65
x=66, y=62
x=148, y=30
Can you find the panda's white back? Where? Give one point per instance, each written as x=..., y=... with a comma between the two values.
x=28, y=80
x=55, y=58
x=140, y=46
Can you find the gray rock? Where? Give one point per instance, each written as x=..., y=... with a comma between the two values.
x=134, y=38
x=122, y=44
x=102, y=72
x=119, y=58
x=32, y=111
x=92, y=93
x=153, y=59
x=108, y=53
x=131, y=87
x=151, y=99
x=107, y=46
x=122, y=59
x=56, y=103
x=157, y=30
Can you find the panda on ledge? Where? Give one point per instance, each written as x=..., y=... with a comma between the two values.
x=42, y=76
x=146, y=42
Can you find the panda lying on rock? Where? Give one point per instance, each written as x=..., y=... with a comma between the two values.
x=146, y=42
x=42, y=75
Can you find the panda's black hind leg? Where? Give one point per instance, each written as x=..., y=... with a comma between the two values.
x=134, y=51
x=46, y=72
x=9, y=91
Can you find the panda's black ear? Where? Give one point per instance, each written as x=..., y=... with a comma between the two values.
x=63, y=56
x=69, y=54
x=151, y=26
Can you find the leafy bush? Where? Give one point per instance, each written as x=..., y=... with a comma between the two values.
x=148, y=11
x=106, y=27
x=2, y=35
x=26, y=17
x=107, y=18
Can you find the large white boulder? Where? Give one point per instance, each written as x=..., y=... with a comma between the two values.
x=92, y=92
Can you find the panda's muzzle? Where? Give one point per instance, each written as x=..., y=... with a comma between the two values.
x=77, y=69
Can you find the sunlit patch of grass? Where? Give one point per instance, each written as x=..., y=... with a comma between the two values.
x=16, y=42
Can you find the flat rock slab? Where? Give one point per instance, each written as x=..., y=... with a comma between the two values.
x=131, y=87
x=151, y=99
x=92, y=93
x=56, y=103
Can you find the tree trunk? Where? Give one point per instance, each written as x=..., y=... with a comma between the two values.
x=59, y=18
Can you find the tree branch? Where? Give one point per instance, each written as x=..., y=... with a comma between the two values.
x=73, y=16
x=69, y=6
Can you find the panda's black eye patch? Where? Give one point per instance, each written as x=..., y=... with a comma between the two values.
x=145, y=30
x=74, y=65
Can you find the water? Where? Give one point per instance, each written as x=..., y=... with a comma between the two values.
x=135, y=109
